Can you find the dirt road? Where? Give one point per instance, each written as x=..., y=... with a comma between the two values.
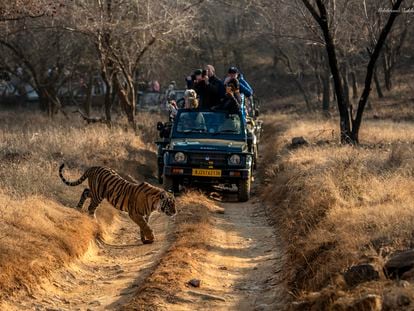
x=239, y=272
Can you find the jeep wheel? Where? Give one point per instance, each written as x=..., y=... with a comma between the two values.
x=170, y=184
x=243, y=190
x=255, y=152
x=160, y=179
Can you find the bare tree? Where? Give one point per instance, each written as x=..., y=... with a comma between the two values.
x=349, y=124
x=392, y=50
x=123, y=33
x=36, y=54
x=290, y=43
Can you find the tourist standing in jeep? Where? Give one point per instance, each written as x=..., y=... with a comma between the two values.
x=215, y=91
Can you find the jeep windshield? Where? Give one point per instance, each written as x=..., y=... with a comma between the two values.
x=205, y=124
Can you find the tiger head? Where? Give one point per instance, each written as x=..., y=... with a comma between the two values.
x=167, y=203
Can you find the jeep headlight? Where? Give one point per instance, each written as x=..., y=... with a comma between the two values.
x=234, y=159
x=180, y=157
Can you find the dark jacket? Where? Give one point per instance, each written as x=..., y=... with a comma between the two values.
x=210, y=94
x=201, y=89
x=229, y=103
x=216, y=88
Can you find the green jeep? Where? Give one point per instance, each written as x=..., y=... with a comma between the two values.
x=206, y=147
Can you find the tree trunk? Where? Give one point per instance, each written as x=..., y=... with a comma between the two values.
x=354, y=85
x=387, y=79
x=386, y=66
x=114, y=98
x=332, y=86
x=126, y=95
x=345, y=80
x=378, y=85
x=326, y=92
x=319, y=86
x=88, y=100
x=108, y=94
x=344, y=118
x=303, y=92
x=108, y=101
x=46, y=101
x=43, y=100
x=53, y=102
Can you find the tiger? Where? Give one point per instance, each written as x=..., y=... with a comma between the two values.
x=138, y=200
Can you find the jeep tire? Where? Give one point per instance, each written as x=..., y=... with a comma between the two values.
x=243, y=190
x=255, y=156
x=170, y=184
x=160, y=179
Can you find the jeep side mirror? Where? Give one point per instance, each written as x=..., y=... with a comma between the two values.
x=160, y=126
x=256, y=112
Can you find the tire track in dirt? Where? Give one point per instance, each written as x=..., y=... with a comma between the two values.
x=240, y=270
x=106, y=276
x=251, y=255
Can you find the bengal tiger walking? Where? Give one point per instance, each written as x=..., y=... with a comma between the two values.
x=139, y=200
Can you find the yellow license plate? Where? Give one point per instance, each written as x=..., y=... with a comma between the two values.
x=203, y=172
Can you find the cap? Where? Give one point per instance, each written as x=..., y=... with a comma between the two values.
x=233, y=70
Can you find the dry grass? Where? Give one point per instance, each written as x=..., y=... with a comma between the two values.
x=37, y=236
x=338, y=205
x=179, y=265
x=31, y=149
x=38, y=232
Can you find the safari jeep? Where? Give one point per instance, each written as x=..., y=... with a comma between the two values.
x=207, y=147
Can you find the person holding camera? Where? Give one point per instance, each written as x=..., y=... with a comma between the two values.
x=197, y=82
x=215, y=87
x=209, y=88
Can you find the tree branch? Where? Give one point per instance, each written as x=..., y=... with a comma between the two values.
x=192, y=5
x=312, y=10
x=143, y=51
x=11, y=19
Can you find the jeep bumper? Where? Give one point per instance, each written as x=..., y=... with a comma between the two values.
x=201, y=175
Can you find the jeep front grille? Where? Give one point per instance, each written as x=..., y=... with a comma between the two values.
x=205, y=159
